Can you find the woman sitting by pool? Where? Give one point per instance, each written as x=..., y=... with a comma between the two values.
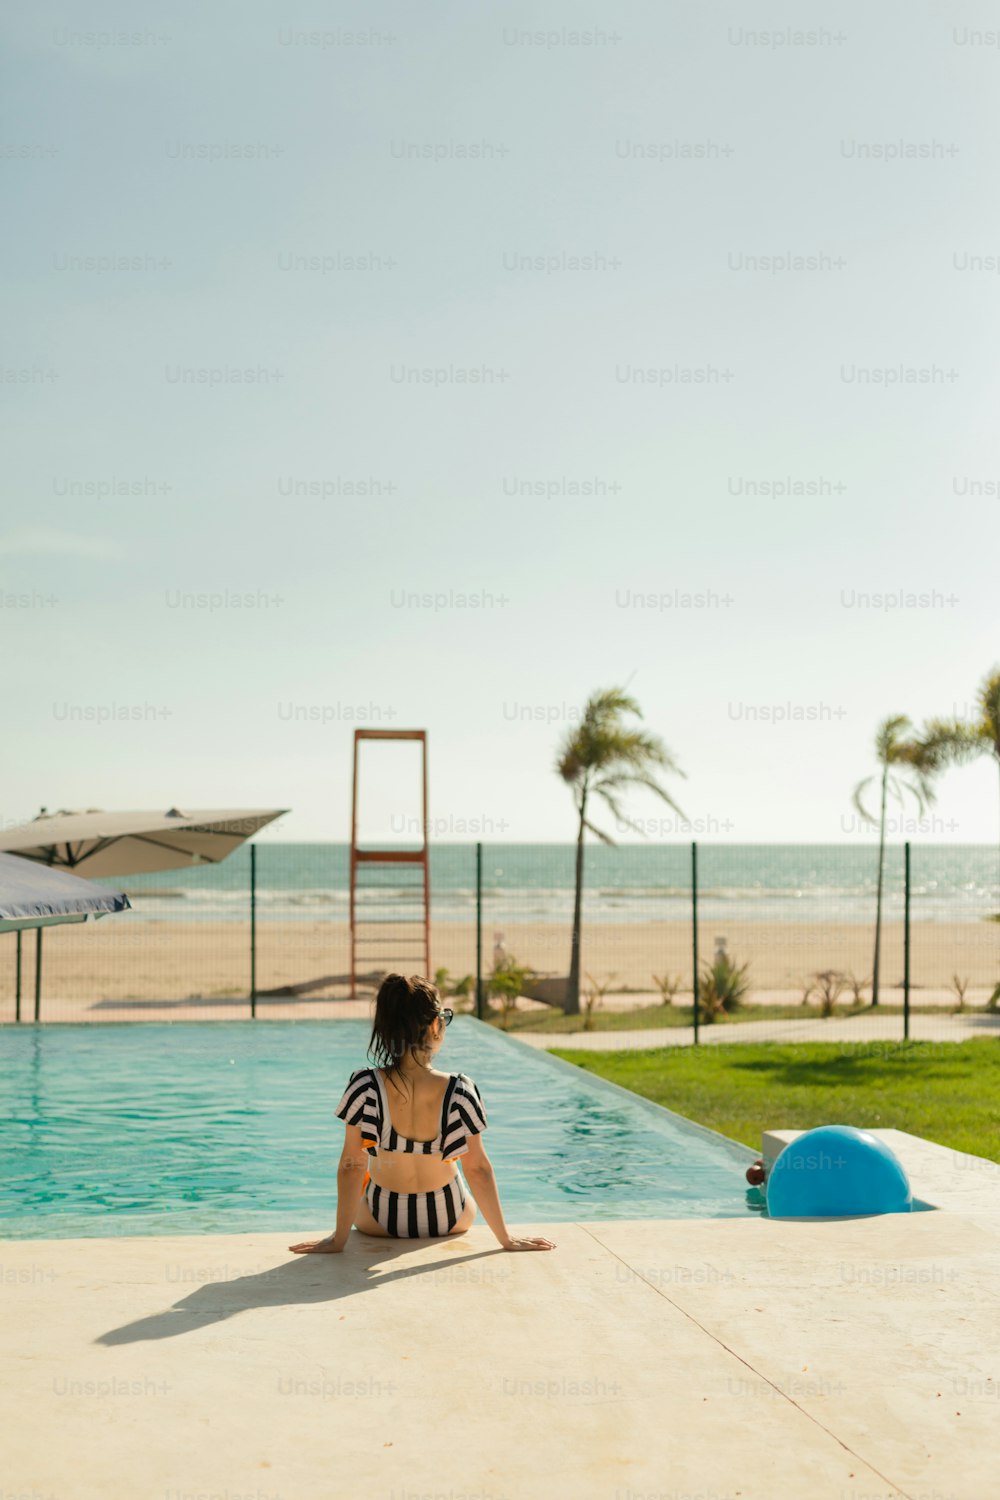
x=411, y=1188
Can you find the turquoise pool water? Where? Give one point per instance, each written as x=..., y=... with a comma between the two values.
x=227, y=1127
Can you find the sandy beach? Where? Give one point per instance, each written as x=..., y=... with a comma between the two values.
x=130, y=968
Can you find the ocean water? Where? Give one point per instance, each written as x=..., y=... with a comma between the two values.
x=194, y=1129
x=807, y=883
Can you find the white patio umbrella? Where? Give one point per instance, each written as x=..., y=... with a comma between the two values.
x=33, y=896
x=99, y=844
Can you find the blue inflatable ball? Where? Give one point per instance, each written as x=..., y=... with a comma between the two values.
x=837, y=1170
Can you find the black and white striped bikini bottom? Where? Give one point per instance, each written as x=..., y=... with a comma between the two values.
x=416, y=1216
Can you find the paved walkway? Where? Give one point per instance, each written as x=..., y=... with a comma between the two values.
x=860, y=1028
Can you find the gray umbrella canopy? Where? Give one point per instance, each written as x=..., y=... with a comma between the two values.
x=131, y=843
x=31, y=896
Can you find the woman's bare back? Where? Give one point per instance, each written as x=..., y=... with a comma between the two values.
x=415, y=1105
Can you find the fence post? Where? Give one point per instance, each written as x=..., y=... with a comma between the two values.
x=694, y=939
x=253, y=932
x=906, y=942
x=38, y=973
x=479, y=931
x=17, y=980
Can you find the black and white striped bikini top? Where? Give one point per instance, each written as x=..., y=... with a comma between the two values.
x=365, y=1104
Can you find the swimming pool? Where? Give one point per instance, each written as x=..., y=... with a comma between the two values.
x=226, y=1127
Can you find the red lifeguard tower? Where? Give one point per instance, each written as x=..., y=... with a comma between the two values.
x=386, y=881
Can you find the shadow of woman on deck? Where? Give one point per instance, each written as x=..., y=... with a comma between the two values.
x=302, y=1281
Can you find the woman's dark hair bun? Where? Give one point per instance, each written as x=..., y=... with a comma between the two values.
x=405, y=1010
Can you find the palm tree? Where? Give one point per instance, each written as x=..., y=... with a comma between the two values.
x=957, y=741
x=915, y=760
x=603, y=757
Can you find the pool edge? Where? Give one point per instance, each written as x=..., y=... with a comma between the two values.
x=600, y=1083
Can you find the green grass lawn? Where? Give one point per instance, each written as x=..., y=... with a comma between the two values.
x=648, y=1016
x=948, y=1092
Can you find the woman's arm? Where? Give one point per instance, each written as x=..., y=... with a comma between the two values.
x=481, y=1179
x=351, y=1171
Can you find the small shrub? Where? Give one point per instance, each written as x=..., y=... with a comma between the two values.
x=461, y=990
x=506, y=983
x=667, y=987
x=856, y=987
x=724, y=986
x=830, y=985
x=959, y=987
x=593, y=997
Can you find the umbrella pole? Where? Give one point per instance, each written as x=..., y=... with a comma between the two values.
x=38, y=973
x=17, y=980
x=253, y=932
x=479, y=931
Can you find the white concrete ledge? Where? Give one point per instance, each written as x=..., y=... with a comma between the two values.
x=730, y=1359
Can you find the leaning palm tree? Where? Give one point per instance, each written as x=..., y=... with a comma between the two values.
x=957, y=741
x=603, y=757
x=914, y=761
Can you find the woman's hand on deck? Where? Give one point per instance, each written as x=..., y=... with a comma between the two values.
x=327, y=1246
x=534, y=1242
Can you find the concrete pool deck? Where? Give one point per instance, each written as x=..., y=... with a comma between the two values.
x=726, y=1359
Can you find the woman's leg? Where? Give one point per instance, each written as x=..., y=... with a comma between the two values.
x=365, y=1220
x=466, y=1218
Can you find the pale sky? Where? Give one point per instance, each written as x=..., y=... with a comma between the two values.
x=373, y=260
